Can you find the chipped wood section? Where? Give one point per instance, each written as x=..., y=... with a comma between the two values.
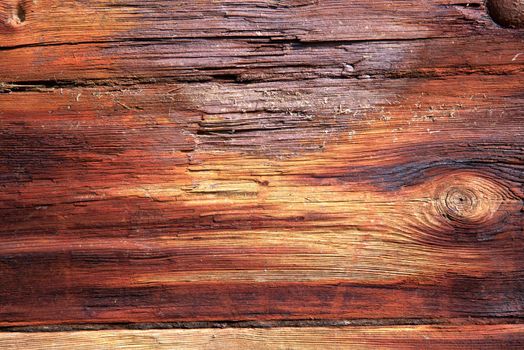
x=398, y=337
x=217, y=161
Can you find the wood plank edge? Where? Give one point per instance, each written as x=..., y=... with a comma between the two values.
x=507, y=336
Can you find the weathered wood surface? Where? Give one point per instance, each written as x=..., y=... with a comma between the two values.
x=170, y=161
x=494, y=337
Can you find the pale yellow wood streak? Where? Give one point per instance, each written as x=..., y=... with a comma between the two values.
x=394, y=337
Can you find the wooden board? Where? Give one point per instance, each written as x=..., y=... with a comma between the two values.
x=262, y=160
x=402, y=337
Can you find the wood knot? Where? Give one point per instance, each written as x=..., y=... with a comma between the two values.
x=507, y=13
x=466, y=206
x=469, y=203
x=13, y=14
x=461, y=203
x=466, y=199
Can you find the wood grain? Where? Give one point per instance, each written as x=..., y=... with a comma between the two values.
x=262, y=160
x=398, y=337
x=254, y=41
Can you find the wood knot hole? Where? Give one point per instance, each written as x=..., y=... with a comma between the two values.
x=14, y=15
x=507, y=13
x=20, y=12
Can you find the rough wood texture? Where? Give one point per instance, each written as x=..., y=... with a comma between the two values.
x=494, y=337
x=259, y=160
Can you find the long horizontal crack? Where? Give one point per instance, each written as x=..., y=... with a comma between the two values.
x=255, y=38
x=269, y=324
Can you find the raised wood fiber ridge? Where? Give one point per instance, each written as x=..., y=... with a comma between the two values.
x=193, y=161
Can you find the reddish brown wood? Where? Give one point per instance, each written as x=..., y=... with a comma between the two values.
x=508, y=13
x=171, y=161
